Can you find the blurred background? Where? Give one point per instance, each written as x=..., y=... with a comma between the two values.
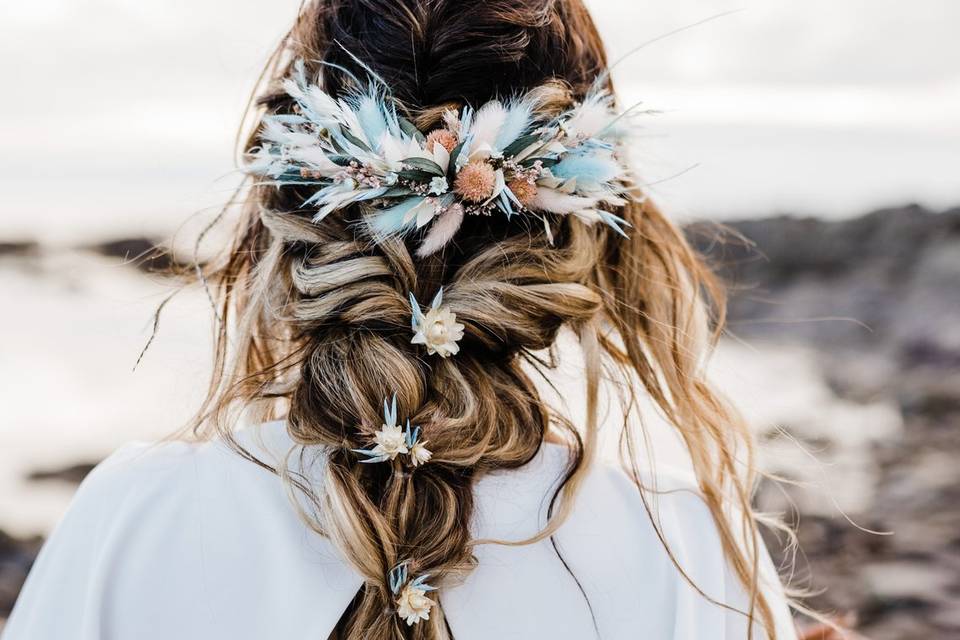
x=826, y=132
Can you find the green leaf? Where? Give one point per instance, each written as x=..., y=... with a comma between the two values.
x=411, y=130
x=452, y=167
x=396, y=192
x=335, y=143
x=546, y=162
x=423, y=164
x=520, y=144
x=293, y=177
x=415, y=175
x=341, y=159
x=355, y=140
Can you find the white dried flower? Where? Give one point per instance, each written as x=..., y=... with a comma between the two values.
x=390, y=442
x=438, y=329
x=413, y=605
x=438, y=186
x=419, y=454
x=391, y=439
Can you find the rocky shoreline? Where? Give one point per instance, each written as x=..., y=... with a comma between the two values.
x=878, y=298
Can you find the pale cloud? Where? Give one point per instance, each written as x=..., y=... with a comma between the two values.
x=811, y=42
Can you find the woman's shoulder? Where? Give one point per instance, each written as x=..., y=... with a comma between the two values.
x=166, y=482
x=608, y=491
x=180, y=539
x=634, y=559
x=177, y=479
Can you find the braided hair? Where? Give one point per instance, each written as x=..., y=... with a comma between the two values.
x=316, y=317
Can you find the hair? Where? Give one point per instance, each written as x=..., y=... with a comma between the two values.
x=314, y=318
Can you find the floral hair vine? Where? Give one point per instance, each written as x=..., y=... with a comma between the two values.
x=437, y=329
x=413, y=605
x=392, y=440
x=501, y=157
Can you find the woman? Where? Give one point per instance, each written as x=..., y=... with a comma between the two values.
x=439, y=191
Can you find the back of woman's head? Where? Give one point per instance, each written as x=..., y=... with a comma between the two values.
x=317, y=315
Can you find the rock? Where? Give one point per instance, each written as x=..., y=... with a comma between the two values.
x=16, y=558
x=19, y=249
x=17, y=554
x=74, y=473
x=145, y=254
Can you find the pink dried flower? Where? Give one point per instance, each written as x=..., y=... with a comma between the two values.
x=444, y=137
x=524, y=189
x=475, y=181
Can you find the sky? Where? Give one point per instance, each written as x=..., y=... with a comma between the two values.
x=119, y=116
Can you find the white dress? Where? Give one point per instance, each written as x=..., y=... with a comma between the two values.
x=186, y=541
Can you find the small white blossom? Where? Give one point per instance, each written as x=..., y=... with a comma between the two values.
x=419, y=454
x=439, y=332
x=438, y=329
x=390, y=441
x=413, y=605
x=438, y=186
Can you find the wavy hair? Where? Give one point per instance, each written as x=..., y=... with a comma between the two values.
x=315, y=318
